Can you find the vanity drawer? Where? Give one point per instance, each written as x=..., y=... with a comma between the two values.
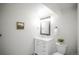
x=39, y=42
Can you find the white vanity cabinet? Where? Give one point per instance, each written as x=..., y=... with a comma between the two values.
x=44, y=46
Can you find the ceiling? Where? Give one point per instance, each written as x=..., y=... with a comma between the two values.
x=61, y=7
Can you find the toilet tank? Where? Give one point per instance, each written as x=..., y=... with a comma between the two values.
x=61, y=49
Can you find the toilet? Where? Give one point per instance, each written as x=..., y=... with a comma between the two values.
x=61, y=49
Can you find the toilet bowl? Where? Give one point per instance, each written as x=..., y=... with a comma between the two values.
x=61, y=49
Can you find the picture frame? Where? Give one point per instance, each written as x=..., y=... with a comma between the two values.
x=19, y=25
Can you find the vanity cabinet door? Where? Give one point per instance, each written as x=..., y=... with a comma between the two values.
x=41, y=47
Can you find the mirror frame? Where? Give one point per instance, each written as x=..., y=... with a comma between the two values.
x=45, y=26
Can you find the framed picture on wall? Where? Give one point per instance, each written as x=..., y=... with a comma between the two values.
x=19, y=25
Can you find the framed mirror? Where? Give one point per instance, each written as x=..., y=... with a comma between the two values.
x=45, y=27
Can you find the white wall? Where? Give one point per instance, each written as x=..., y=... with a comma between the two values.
x=67, y=24
x=17, y=41
x=68, y=29
x=0, y=28
x=21, y=42
x=78, y=29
